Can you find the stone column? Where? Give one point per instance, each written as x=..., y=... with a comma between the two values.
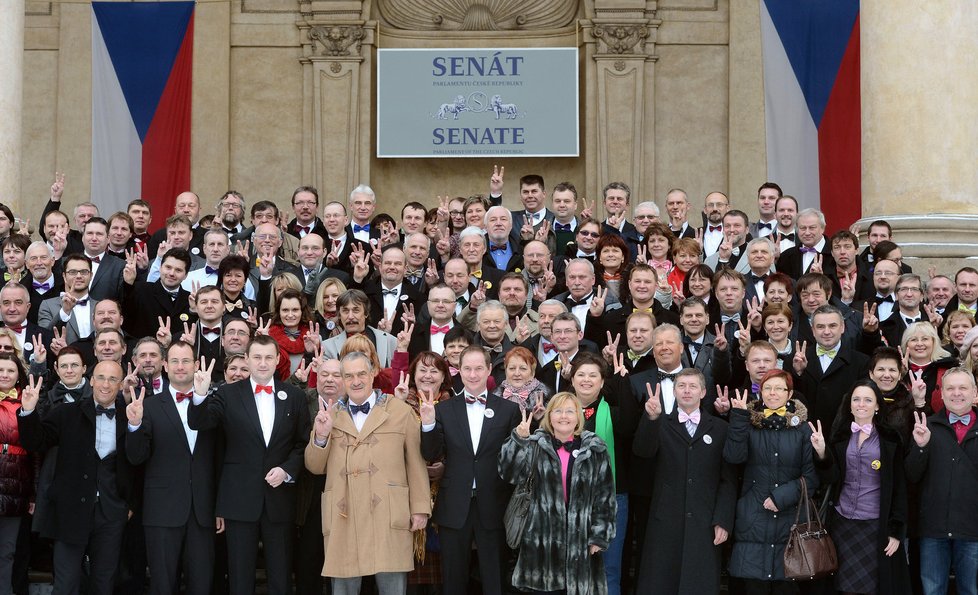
x=11, y=100
x=919, y=106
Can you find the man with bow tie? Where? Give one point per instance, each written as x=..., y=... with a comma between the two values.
x=882, y=292
x=786, y=210
x=731, y=251
x=513, y=289
x=473, y=248
x=377, y=492
x=942, y=460
x=503, y=254
x=491, y=319
x=207, y=335
x=760, y=264
x=677, y=207
x=148, y=302
x=568, y=340
x=435, y=321
x=92, y=492
x=767, y=219
x=828, y=369
x=533, y=195
x=715, y=208
x=813, y=248
x=14, y=306
x=542, y=344
x=305, y=205
x=312, y=253
x=362, y=203
x=179, y=521
x=697, y=340
x=638, y=337
x=266, y=425
x=45, y=279
x=417, y=248
x=909, y=297
x=965, y=291
x=565, y=222
x=390, y=297
x=147, y=358
x=695, y=487
x=74, y=310
x=265, y=211
x=106, y=279
x=468, y=431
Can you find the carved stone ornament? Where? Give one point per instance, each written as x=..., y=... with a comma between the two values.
x=337, y=40
x=621, y=39
x=477, y=15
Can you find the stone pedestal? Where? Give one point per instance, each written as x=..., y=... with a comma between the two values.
x=11, y=100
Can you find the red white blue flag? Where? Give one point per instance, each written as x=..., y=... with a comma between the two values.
x=811, y=99
x=142, y=59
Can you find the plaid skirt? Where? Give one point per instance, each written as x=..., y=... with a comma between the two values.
x=857, y=545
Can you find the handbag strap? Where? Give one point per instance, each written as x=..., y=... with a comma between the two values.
x=533, y=465
x=806, y=502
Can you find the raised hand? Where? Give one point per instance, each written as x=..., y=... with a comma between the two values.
x=142, y=256
x=478, y=296
x=653, y=406
x=818, y=439
x=699, y=238
x=588, y=211
x=526, y=232
x=443, y=246
x=725, y=251
x=31, y=393
x=522, y=430
x=333, y=256
x=386, y=321
x=848, y=290
x=619, y=365
x=263, y=327
x=163, y=334
x=312, y=338
x=816, y=264
x=932, y=271
x=543, y=233
x=596, y=308
x=538, y=407
x=722, y=402
x=921, y=433
x=323, y=423
x=720, y=341
x=431, y=276
x=523, y=329
x=610, y=350
x=403, y=387
x=800, y=361
x=40, y=353
x=754, y=316
x=129, y=272
x=933, y=315
x=918, y=388
x=404, y=337
x=870, y=323
x=60, y=340
x=426, y=407
x=743, y=336
x=641, y=257
x=134, y=410
x=189, y=333
x=25, y=227
x=444, y=211
x=130, y=380
x=58, y=187
x=302, y=372
x=740, y=401
x=496, y=180
x=202, y=377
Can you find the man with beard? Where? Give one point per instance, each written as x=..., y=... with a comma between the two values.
x=786, y=210
x=73, y=311
x=715, y=208
x=150, y=304
x=512, y=295
x=305, y=205
x=148, y=361
x=353, y=311
x=504, y=254
x=45, y=279
x=541, y=272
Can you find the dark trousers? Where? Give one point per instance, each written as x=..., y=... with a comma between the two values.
x=758, y=587
x=103, y=545
x=309, y=552
x=168, y=546
x=243, y=537
x=456, y=546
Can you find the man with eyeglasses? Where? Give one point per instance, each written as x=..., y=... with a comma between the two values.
x=91, y=497
x=435, y=320
x=74, y=310
x=568, y=339
x=230, y=212
x=588, y=233
x=716, y=206
x=267, y=241
x=645, y=214
x=265, y=211
x=882, y=292
x=909, y=297
x=305, y=205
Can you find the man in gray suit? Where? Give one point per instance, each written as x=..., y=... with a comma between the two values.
x=731, y=252
x=74, y=310
x=353, y=310
x=106, y=279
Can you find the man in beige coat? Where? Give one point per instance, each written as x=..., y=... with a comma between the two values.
x=377, y=492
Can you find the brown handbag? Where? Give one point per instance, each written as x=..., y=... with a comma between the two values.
x=810, y=553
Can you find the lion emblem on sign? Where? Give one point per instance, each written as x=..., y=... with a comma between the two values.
x=509, y=110
x=454, y=109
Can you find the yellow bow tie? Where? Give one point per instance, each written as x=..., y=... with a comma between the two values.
x=649, y=310
x=820, y=351
x=964, y=308
x=477, y=274
x=633, y=356
x=232, y=306
x=779, y=411
x=10, y=394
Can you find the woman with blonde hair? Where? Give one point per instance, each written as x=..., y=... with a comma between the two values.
x=926, y=361
x=956, y=326
x=325, y=306
x=572, y=513
x=277, y=285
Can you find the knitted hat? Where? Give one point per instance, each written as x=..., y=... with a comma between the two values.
x=967, y=342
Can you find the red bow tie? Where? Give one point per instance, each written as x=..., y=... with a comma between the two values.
x=181, y=397
x=261, y=388
x=716, y=228
x=18, y=328
x=157, y=383
x=96, y=259
x=210, y=331
x=470, y=399
x=548, y=347
x=435, y=329
x=303, y=228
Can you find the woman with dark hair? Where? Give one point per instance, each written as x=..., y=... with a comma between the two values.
x=685, y=255
x=611, y=262
x=17, y=489
x=292, y=328
x=887, y=250
x=520, y=386
x=232, y=278
x=659, y=241
x=770, y=437
x=778, y=287
x=862, y=460
x=14, y=248
x=886, y=370
x=699, y=283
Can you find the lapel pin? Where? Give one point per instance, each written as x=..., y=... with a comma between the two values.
x=184, y=318
x=403, y=298
x=489, y=413
x=795, y=420
x=575, y=452
x=707, y=439
x=195, y=251
x=244, y=315
x=28, y=347
x=282, y=396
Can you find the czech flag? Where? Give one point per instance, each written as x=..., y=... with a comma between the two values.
x=142, y=67
x=811, y=104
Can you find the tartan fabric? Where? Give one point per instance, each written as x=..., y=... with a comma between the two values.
x=856, y=543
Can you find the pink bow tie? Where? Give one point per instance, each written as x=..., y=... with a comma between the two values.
x=693, y=417
x=865, y=428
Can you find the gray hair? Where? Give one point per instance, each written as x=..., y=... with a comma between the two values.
x=810, y=212
x=765, y=241
x=471, y=230
x=509, y=214
x=584, y=261
x=85, y=204
x=363, y=189
x=40, y=244
x=647, y=204
x=666, y=327
x=489, y=305
x=359, y=355
x=219, y=232
x=563, y=306
x=417, y=234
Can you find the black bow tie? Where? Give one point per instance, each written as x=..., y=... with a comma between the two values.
x=364, y=409
x=755, y=278
x=63, y=391
x=572, y=303
x=786, y=236
x=109, y=413
x=689, y=341
x=389, y=291
x=568, y=446
x=666, y=376
x=880, y=300
x=910, y=321
x=763, y=226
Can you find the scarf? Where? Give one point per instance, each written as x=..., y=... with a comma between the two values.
x=520, y=396
x=291, y=346
x=604, y=430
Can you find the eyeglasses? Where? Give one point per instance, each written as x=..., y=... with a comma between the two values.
x=305, y=203
x=643, y=217
x=884, y=274
x=589, y=234
x=456, y=213
x=776, y=390
x=77, y=273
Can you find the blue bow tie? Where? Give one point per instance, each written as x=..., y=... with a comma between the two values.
x=730, y=317
x=389, y=291
x=364, y=409
x=964, y=419
x=209, y=270
x=562, y=227
x=763, y=225
x=359, y=228
x=83, y=302
x=42, y=286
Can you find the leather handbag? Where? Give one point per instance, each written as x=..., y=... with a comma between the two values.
x=810, y=553
x=518, y=509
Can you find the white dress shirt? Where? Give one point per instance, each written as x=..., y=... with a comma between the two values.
x=666, y=391
x=360, y=418
x=390, y=299
x=808, y=257
x=266, y=409
x=826, y=361
x=363, y=236
x=182, y=412
x=83, y=317
x=711, y=240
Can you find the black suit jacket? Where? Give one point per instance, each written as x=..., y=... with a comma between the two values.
x=107, y=282
x=825, y=391
x=549, y=373
x=37, y=298
x=242, y=493
x=316, y=278
x=71, y=427
x=74, y=239
x=790, y=261
x=317, y=228
x=451, y=438
x=177, y=482
x=343, y=261
x=265, y=286
x=627, y=233
x=407, y=295
x=146, y=302
x=515, y=260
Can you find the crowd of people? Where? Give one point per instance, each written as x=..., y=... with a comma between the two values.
x=351, y=394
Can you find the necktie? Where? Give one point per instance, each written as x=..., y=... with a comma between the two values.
x=469, y=399
x=460, y=300
x=961, y=419
x=666, y=376
x=807, y=250
x=389, y=291
x=761, y=226
x=364, y=409
x=633, y=356
x=779, y=411
x=359, y=228
x=730, y=317
x=109, y=413
x=865, y=428
x=42, y=286
x=713, y=228
x=786, y=236
x=693, y=417
x=496, y=247
x=181, y=397
x=548, y=347
x=440, y=330
x=232, y=306
x=10, y=394
x=17, y=328
x=820, y=351
x=262, y=388
x=209, y=270
x=206, y=330
x=562, y=227
x=880, y=300
x=336, y=243
x=96, y=260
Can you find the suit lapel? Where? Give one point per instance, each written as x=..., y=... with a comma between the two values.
x=377, y=416
x=250, y=404
x=488, y=421
x=170, y=410
x=462, y=418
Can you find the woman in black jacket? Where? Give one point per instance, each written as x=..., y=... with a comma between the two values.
x=863, y=462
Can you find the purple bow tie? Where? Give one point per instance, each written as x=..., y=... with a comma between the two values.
x=42, y=286
x=807, y=250
x=210, y=270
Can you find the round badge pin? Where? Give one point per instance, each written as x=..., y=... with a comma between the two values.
x=244, y=315
x=282, y=396
x=876, y=465
x=795, y=420
x=28, y=347
x=403, y=298
x=330, y=325
x=708, y=439
x=195, y=251
x=488, y=285
x=184, y=318
x=490, y=413
x=575, y=452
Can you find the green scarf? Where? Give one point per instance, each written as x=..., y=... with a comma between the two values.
x=604, y=430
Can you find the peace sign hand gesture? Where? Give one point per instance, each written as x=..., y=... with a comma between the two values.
x=800, y=361
x=870, y=323
x=324, y=419
x=31, y=393
x=597, y=302
x=921, y=433
x=522, y=430
x=610, y=350
x=653, y=406
x=134, y=410
x=202, y=377
x=722, y=402
x=426, y=407
x=740, y=402
x=818, y=439
x=918, y=388
x=496, y=180
x=402, y=388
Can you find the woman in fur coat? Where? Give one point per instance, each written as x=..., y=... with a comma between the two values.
x=572, y=512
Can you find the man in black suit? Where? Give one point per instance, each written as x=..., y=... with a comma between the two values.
x=813, y=250
x=533, y=195
x=390, y=297
x=503, y=254
x=851, y=277
x=786, y=211
x=188, y=204
x=492, y=321
x=638, y=342
x=179, y=490
x=340, y=240
x=312, y=251
x=468, y=431
x=45, y=279
x=266, y=425
x=54, y=226
x=565, y=332
x=435, y=321
x=305, y=205
x=91, y=496
x=106, y=272
x=148, y=303
x=617, y=196
x=363, y=203
x=677, y=206
x=15, y=303
x=267, y=263
x=472, y=246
